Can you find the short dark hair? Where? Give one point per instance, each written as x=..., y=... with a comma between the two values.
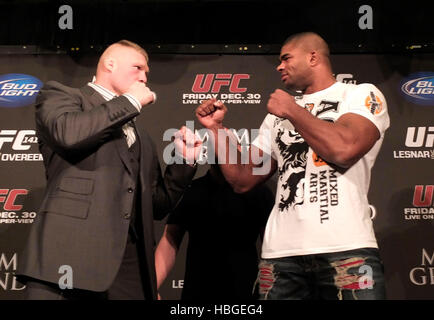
x=299, y=36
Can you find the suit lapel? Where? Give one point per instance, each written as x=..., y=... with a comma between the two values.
x=95, y=99
x=139, y=139
x=145, y=151
x=122, y=148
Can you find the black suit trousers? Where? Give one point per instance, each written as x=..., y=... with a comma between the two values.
x=128, y=284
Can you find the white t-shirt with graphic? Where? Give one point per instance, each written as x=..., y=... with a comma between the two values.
x=317, y=208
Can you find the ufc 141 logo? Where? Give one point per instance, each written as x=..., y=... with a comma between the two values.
x=18, y=140
x=230, y=88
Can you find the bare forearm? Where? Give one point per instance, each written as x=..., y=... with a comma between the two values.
x=242, y=168
x=333, y=142
x=238, y=168
x=164, y=260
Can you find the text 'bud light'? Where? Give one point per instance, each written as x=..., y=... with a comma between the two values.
x=419, y=88
x=18, y=90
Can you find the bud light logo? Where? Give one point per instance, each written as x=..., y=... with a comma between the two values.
x=18, y=90
x=419, y=88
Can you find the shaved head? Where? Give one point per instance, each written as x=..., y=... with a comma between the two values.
x=120, y=65
x=305, y=63
x=117, y=51
x=309, y=41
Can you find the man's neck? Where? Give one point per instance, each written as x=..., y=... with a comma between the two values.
x=105, y=85
x=320, y=85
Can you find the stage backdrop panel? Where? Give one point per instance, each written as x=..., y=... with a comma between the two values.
x=402, y=183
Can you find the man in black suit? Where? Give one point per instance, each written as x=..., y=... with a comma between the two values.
x=94, y=231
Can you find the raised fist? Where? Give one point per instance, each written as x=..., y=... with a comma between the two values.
x=141, y=92
x=211, y=113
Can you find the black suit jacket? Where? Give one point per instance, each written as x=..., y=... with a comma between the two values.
x=85, y=213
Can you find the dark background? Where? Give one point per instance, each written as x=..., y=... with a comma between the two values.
x=214, y=26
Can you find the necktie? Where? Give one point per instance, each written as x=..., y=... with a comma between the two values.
x=130, y=136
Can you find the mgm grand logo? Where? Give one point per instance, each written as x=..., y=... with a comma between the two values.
x=423, y=274
x=8, y=266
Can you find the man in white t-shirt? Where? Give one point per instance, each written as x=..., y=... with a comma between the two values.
x=319, y=241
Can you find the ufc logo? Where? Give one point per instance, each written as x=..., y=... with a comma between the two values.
x=421, y=199
x=414, y=139
x=214, y=83
x=9, y=198
x=18, y=139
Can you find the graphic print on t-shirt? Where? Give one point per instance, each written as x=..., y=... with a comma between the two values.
x=293, y=150
x=373, y=103
x=328, y=209
x=327, y=106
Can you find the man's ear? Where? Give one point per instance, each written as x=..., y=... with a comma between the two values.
x=313, y=58
x=110, y=64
